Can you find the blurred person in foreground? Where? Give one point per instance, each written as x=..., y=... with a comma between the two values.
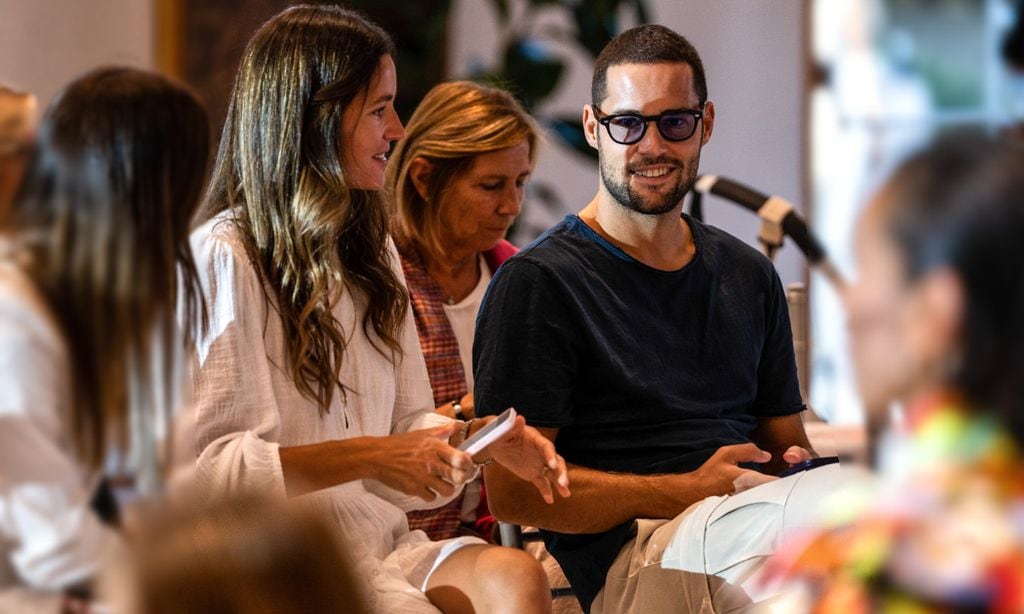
x=88, y=332
x=937, y=328
x=17, y=130
x=457, y=180
x=239, y=555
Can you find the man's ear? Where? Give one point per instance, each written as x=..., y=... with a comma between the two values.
x=590, y=125
x=709, y=122
x=419, y=173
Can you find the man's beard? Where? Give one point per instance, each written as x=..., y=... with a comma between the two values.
x=624, y=194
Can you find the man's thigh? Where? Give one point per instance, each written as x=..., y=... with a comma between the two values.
x=708, y=558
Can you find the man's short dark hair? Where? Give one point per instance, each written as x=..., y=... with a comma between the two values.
x=647, y=44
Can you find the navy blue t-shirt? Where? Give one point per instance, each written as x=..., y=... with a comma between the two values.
x=642, y=371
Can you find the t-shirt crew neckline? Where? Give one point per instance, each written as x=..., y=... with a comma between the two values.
x=622, y=255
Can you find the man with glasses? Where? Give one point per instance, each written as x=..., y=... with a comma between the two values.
x=656, y=352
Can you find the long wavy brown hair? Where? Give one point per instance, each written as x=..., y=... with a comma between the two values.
x=279, y=173
x=103, y=219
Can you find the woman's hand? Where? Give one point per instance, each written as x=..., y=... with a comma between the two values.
x=422, y=464
x=531, y=457
x=448, y=409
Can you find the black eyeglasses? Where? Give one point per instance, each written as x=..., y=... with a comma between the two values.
x=628, y=128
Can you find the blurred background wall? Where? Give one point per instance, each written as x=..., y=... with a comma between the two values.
x=752, y=52
x=46, y=43
x=816, y=99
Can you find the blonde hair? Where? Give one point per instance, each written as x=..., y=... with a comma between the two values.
x=454, y=123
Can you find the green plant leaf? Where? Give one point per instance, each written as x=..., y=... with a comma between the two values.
x=596, y=23
x=569, y=130
x=534, y=72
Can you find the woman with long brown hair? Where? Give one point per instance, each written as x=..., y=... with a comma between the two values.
x=310, y=377
x=88, y=333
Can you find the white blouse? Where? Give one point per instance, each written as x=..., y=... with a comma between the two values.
x=462, y=317
x=247, y=406
x=49, y=536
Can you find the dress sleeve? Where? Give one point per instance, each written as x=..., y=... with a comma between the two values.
x=51, y=537
x=527, y=347
x=237, y=418
x=414, y=403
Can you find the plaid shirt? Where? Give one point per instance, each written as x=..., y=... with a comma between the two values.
x=444, y=367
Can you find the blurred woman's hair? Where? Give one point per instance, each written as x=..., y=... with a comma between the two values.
x=454, y=123
x=279, y=173
x=241, y=555
x=103, y=217
x=960, y=204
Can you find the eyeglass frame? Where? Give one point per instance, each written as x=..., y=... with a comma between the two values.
x=697, y=115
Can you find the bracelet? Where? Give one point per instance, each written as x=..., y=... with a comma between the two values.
x=463, y=434
x=457, y=409
x=466, y=434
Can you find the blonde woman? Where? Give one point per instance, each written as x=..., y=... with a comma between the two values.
x=310, y=378
x=457, y=180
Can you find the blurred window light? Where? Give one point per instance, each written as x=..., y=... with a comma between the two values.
x=890, y=74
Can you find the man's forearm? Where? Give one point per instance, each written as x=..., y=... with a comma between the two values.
x=599, y=501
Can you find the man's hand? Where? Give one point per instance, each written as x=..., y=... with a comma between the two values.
x=785, y=438
x=796, y=455
x=531, y=457
x=721, y=475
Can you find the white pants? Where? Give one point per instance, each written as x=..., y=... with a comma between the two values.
x=709, y=558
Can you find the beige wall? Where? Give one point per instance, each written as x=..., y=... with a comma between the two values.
x=46, y=43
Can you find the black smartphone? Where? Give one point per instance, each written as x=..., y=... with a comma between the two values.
x=809, y=464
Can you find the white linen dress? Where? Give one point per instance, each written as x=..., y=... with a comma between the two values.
x=247, y=406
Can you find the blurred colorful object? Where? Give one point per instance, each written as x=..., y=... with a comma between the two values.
x=943, y=532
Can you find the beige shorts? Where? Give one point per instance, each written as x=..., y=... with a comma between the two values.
x=708, y=558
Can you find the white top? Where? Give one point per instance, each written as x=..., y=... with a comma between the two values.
x=462, y=317
x=49, y=536
x=247, y=406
